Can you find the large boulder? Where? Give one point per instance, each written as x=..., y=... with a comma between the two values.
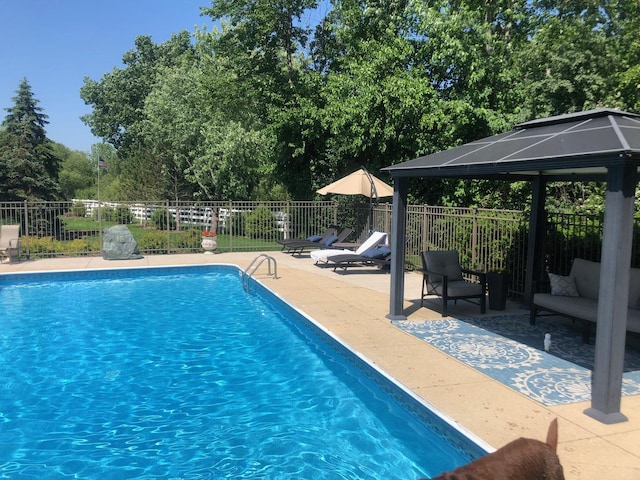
x=118, y=244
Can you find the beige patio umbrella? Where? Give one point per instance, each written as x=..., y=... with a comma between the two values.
x=360, y=182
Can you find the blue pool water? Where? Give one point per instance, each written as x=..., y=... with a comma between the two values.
x=180, y=373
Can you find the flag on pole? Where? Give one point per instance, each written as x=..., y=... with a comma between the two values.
x=102, y=163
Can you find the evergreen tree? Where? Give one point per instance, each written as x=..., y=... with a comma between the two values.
x=28, y=166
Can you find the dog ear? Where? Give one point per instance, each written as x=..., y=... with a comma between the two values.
x=552, y=435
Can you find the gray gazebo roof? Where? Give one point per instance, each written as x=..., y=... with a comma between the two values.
x=571, y=147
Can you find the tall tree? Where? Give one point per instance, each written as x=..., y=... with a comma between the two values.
x=118, y=98
x=118, y=115
x=270, y=30
x=76, y=172
x=265, y=44
x=28, y=165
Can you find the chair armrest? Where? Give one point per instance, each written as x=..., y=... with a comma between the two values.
x=14, y=243
x=435, y=274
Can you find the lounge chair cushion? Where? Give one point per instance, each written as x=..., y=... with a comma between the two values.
x=330, y=240
x=314, y=238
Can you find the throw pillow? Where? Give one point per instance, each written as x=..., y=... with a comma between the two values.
x=314, y=238
x=563, y=286
x=376, y=253
x=370, y=253
x=329, y=240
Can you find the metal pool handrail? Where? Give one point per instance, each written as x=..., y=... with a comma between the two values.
x=251, y=269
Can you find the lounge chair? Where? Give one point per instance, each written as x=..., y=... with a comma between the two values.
x=377, y=257
x=442, y=276
x=352, y=245
x=375, y=239
x=10, y=242
x=298, y=247
x=313, y=238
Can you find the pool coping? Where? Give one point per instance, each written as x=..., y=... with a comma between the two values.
x=353, y=306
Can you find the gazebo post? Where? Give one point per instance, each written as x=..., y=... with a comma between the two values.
x=398, y=240
x=537, y=221
x=613, y=297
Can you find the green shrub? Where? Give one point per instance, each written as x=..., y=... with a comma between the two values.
x=188, y=239
x=122, y=215
x=42, y=245
x=106, y=213
x=261, y=223
x=79, y=245
x=153, y=242
x=78, y=209
x=48, y=246
x=159, y=219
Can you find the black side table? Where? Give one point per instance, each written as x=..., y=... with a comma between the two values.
x=498, y=285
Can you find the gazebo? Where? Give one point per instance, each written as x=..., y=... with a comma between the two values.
x=595, y=145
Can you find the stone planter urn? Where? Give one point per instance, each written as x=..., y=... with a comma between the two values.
x=209, y=243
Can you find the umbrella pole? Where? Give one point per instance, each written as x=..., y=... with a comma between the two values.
x=374, y=192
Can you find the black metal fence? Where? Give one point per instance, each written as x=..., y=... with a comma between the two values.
x=486, y=239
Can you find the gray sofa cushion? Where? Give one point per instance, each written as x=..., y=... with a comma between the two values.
x=578, y=307
x=587, y=275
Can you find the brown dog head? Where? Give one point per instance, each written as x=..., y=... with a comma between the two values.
x=522, y=459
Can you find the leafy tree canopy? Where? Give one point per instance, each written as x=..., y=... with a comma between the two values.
x=274, y=98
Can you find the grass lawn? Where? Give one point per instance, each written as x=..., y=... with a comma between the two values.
x=151, y=239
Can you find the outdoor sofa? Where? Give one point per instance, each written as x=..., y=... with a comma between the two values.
x=576, y=296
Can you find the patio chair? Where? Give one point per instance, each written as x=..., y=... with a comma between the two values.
x=443, y=276
x=10, y=245
x=375, y=239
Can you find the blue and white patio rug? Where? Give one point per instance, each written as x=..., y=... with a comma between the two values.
x=510, y=350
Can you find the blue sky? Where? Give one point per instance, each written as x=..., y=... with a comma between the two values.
x=56, y=43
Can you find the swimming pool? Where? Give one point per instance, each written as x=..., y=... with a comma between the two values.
x=177, y=372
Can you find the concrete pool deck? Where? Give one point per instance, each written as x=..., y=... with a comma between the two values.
x=353, y=307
